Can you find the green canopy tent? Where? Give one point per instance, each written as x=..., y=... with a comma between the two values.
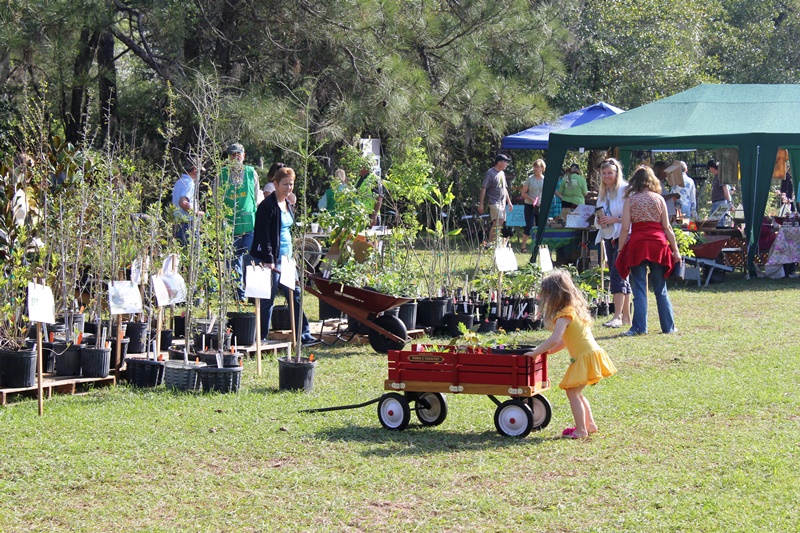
x=756, y=119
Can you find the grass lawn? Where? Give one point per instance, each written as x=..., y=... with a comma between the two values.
x=699, y=431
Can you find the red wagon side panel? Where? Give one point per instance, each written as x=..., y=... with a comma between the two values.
x=462, y=372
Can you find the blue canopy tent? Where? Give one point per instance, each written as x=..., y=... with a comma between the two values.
x=537, y=137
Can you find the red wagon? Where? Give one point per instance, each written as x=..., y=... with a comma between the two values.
x=421, y=376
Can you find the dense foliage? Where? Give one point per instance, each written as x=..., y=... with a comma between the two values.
x=459, y=74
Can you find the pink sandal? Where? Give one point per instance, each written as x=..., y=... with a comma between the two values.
x=568, y=432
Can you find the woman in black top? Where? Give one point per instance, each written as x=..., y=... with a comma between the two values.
x=272, y=239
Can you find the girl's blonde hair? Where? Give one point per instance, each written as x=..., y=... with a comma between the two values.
x=558, y=292
x=604, y=191
x=540, y=163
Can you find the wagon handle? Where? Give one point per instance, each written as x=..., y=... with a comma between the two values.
x=341, y=407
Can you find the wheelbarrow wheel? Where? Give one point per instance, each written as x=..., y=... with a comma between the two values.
x=542, y=411
x=394, y=412
x=513, y=418
x=382, y=344
x=436, y=410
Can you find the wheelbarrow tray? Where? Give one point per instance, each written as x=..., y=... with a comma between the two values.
x=712, y=248
x=451, y=371
x=362, y=304
x=367, y=300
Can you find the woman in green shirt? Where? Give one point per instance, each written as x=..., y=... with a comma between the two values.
x=573, y=189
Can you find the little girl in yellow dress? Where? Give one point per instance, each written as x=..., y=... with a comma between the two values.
x=566, y=313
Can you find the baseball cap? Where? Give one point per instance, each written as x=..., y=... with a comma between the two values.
x=189, y=164
x=236, y=148
x=502, y=157
x=712, y=163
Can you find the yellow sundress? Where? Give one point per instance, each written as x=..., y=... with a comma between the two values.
x=590, y=363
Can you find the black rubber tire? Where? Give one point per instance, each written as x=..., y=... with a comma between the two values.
x=394, y=412
x=435, y=413
x=542, y=411
x=513, y=418
x=383, y=344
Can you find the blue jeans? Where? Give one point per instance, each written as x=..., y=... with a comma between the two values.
x=241, y=247
x=617, y=284
x=638, y=279
x=268, y=303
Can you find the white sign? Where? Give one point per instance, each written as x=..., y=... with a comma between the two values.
x=124, y=298
x=258, y=282
x=169, y=289
x=544, y=259
x=288, y=276
x=41, y=306
x=505, y=259
x=170, y=264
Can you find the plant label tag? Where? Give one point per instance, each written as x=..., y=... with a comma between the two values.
x=169, y=289
x=258, y=282
x=505, y=259
x=41, y=306
x=124, y=298
x=288, y=277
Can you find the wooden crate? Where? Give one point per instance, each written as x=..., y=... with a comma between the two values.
x=451, y=371
x=58, y=384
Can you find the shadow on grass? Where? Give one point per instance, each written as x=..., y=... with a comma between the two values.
x=735, y=282
x=422, y=440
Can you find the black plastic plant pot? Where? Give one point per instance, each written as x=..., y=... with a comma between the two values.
x=17, y=368
x=95, y=362
x=294, y=376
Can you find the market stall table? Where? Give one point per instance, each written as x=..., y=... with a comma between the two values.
x=555, y=238
x=786, y=248
x=571, y=238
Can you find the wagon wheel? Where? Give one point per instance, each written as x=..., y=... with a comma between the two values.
x=513, y=418
x=393, y=411
x=542, y=411
x=383, y=344
x=431, y=408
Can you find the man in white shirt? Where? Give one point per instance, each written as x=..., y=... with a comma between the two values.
x=688, y=200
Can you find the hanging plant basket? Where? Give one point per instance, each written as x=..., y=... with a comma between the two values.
x=220, y=379
x=180, y=376
x=144, y=372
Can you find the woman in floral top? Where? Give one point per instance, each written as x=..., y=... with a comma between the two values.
x=646, y=240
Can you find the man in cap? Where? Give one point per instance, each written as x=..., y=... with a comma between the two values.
x=240, y=186
x=183, y=200
x=495, y=188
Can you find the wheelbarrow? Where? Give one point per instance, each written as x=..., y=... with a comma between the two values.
x=418, y=378
x=709, y=257
x=386, y=332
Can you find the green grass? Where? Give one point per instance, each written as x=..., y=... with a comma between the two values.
x=699, y=431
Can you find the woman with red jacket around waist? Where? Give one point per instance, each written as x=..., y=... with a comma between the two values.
x=647, y=240
x=272, y=239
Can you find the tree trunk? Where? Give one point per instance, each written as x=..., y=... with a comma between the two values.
x=76, y=118
x=107, y=83
x=227, y=35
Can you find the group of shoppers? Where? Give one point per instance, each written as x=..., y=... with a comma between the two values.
x=633, y=214
x=261, y=220
x=636, y=236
